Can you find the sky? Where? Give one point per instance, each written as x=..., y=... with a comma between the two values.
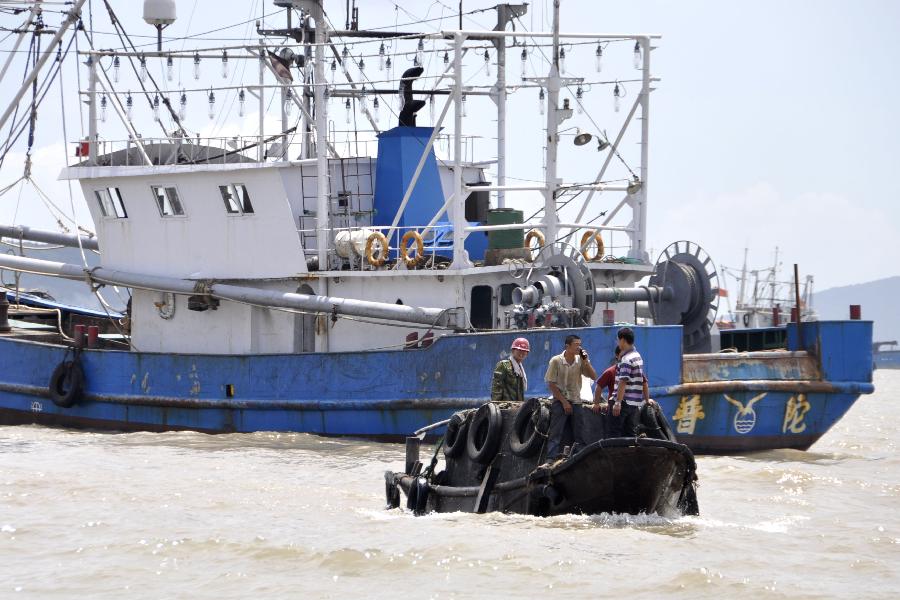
x=774, y=124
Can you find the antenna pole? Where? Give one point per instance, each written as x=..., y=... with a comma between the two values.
x=551, y=219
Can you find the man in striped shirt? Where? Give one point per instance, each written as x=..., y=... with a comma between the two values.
x=631, y=384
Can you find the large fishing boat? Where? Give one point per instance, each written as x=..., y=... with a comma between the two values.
x=361, y=273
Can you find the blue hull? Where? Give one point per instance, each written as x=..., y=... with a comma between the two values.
x=391, y=393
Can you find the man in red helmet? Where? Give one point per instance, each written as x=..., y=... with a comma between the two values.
x=510, y=381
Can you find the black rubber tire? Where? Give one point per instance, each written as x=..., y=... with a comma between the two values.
x=457, y=432
x=524, y=439
x=411, y=496
x=664, y=424
x=422, y=490
x=485, y=430
x=66, y=384
x=391, y=492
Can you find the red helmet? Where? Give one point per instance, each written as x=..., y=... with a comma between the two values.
x=521, y=344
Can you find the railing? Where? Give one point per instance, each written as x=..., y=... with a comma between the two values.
x=437, y=246
x=241, y=148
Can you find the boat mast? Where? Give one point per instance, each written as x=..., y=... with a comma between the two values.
x=740, y=300
x=321, y=107
x=551, y=219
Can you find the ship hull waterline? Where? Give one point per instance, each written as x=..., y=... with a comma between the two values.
x=387, y=394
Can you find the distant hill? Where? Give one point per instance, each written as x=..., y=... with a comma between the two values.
x=879, y=304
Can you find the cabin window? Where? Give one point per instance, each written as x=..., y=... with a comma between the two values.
x=482, y=313
x=111, y=204
x=236, y=198
x=167, y=201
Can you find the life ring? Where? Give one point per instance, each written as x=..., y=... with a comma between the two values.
x=66, y=383
x=534, y=234
x=529, y=428
x=412, y=234
x=456, y=435
x=746, y=319
x=370, y=249
x=485, y=428
x=585, y=240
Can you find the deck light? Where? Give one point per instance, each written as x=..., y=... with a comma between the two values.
x=376, y=109
x=326, y=94
x=541, y=98
x=420, y=51
x=524, y=61
x=487, y=63
x=212, y=104
x=347, y=110
x=170, y=69
x=224, y=64
x=129, y=105
x=562, y=61
x=389, y=65
x=364, y=99
x=579, y=98
x=333, y=68
x=103, y=108
x=582, y=138
x=381, y=57
x=446, y=58
x=345, y=55
x=156, y=107
x=598, y=58
x=116, y=68
x=143, y=71
x=431, y=108
x=242, y=101
x=182, y=106
x=637, y=55
x=362, y=68
x=635, y=186
x=464, y=112
x=617, y=98
x=196, y=66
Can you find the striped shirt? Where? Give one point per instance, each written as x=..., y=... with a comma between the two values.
x=630, y=373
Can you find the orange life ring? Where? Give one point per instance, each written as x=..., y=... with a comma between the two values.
x=586, y=239
x=382, y=252
x=534, y=234
x=412, y=234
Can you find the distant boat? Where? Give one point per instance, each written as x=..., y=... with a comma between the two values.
x=886, y=355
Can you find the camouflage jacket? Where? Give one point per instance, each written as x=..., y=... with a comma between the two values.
x=506, y=386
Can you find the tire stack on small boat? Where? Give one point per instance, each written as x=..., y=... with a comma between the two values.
x=494, y=460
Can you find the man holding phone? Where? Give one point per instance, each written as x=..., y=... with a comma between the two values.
x=563, y=377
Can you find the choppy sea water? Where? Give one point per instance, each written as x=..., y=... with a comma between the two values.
x=266, y=515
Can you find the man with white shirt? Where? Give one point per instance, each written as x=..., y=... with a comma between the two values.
x=563, y=377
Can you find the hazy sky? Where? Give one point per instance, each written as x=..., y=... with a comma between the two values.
x=774, y=123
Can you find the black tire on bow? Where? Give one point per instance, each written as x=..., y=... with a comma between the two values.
x=457, y=432
x=485, y=429
x=66, y=383
x=422, y=491
x=529, y=428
